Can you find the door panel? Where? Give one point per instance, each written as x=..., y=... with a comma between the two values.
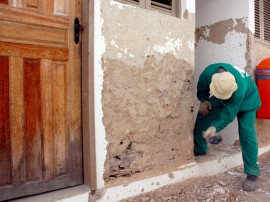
x=32, y=116
x=59, y=108
x=17, y=120
x=33, y=4
x=15, y=32
x=35, y=52
x=4, y=1
x=5, y=154
x=40, y=97
x=47, y=121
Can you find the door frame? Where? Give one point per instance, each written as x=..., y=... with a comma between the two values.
x=88, y=118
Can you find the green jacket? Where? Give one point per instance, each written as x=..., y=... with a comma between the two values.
x=245, y=98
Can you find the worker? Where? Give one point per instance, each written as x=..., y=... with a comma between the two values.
x=226, y=92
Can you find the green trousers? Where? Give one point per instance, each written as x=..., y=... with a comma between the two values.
x=247, y=135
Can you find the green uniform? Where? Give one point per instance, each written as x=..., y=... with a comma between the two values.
x=242, y=104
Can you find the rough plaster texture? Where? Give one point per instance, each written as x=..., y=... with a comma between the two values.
x=148, y=95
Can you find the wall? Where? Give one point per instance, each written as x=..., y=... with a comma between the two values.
x=223, y=35
x=144, y=98
x=261, y=51
x=100, y=135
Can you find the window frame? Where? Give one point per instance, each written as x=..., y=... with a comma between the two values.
x=146, y=4
x=259, y=35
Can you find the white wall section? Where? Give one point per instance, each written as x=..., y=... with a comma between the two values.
x=188, y=5
x=101, y=143
x=212, y=11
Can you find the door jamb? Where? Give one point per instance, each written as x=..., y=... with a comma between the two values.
x=88, y=121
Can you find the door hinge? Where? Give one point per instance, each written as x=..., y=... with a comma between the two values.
x=77, y=28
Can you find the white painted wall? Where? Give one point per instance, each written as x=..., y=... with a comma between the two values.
x=101, y=143
x=188, y=5
x=232, y=51
x=212, y=11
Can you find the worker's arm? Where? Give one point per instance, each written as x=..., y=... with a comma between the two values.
x=203, y=94
x=203, y=88
x=228, y=113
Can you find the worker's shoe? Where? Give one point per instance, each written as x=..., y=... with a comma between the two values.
x=199, y=154
x=251, y=183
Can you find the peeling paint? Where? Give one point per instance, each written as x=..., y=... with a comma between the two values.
x=235, y=43
x=191, y=45
x=227, y=41
x=119, y=55
x=172, y=45
x=161, y=34
x=131, y=55
x=217, y=32
x=206, y=32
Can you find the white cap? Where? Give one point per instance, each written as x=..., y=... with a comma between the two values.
x=223, y=85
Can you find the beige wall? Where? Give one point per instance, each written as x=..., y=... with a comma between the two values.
x=148, y=93
x=261, y=51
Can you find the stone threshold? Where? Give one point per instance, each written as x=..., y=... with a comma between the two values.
x=72, y=194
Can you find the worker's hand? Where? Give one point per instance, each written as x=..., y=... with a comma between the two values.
x=205, y=108
x=210, y=132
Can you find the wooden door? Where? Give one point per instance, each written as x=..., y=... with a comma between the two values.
x=40, y=97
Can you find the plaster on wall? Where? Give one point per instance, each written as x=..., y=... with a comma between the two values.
x=143, y=114
x=137, y=35
x=147, y=95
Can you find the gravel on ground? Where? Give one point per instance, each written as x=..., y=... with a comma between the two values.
x=222, y=187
